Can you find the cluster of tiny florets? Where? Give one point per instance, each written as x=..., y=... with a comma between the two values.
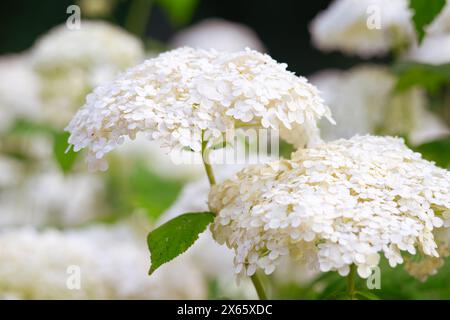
x=187, y=96
x=334, y=205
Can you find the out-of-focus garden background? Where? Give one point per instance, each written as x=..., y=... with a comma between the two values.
x=57, y=220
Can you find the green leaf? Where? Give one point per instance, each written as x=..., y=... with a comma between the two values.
x=60, y=145
x=430, y=77
x=131, y=185
x=437, y=151
x=180, y=11
x=176, y=236
x=366, y=295
x=425, y=11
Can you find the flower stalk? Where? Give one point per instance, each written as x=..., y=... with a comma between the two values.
x=205, y=159
x=258, y=287
x=351, y=282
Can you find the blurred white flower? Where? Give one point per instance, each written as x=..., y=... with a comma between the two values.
x=112, y=262
x=441, y=24
x=153, y=155
x=344, y=26
x=362, y=101
x=52, y=198
x=219, y=34
x=186, y=96
x=70, y=63
x=12, y=172
x=435, y=49
x=18, y=90
x=426, y=266
x=334, y=205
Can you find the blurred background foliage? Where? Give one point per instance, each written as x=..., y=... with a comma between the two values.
x=282, y=26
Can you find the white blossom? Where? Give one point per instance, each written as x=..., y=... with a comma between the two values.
x=219, y=34
x=11, y=170
x=422, y=267
x=157, y=160
x=363, y=27
x=70, y=63
x=435, y=49
x=363, y=101
x=187, y=96
x=49, y=197
x=334, y=205
x=19, y=97
x=111, y=261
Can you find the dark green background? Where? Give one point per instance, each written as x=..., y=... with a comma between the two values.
x=282, y=26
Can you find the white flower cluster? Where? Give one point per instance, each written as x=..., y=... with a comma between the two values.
x=18, y=90
x=363, y=101
x=334, y=205
x=421, y=267
x=187, y=96
x=351, y=27
x=363, y=27
x=80, y=60
x=112, y=265
x=52, y=198
x=434, y=49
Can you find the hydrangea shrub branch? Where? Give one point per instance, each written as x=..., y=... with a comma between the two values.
x=189, y=99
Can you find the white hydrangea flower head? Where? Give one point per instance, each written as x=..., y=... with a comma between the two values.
x=334, y=205
x=187, y=96
x=344, y=26
x=18, y=90
x=112, y=262
x=363, y=101
x=219, y=34
x=80, y=60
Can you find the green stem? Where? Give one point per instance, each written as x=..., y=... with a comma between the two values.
x=209, y=173
x=137, y=17
x=207, y=165
x=258, y=287
x=351, y=282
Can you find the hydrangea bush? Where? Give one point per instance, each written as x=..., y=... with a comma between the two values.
x=346, y=199
x=333, y=206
